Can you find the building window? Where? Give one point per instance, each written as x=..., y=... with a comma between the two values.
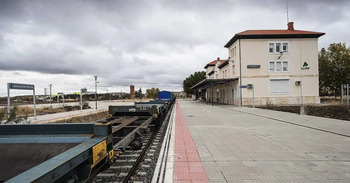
x=271, y=48
x=278, y=66
x=278, y=47
x=285, y=47
x=233, y=69
x=279, y=86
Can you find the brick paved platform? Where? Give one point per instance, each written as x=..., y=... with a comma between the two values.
x=255, y=145
x=187, y=164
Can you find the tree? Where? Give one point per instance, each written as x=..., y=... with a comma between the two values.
x=152, y=93
x=334, y=67
x=138, y=94
x=192, y=80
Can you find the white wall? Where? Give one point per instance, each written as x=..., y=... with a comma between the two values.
x=255, y=52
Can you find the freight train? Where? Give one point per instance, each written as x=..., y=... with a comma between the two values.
x=75, y=152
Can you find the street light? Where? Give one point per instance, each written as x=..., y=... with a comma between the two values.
x=96, y=90
x=50, y=85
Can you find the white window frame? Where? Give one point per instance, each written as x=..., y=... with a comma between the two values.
x=274, y=47
x=284, y=78
x=274, y=61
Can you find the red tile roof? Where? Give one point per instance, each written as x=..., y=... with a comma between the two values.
x=274, y=34
x=212, y=63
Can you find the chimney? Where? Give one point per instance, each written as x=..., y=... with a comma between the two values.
x=132, y=91
x=291, y=26
x=218, y=58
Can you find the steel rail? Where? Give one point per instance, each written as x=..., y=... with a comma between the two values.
x=141, y=157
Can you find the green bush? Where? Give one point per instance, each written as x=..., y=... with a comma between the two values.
x=2, y=113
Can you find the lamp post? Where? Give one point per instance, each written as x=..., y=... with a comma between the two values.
x=96, y=90
x=50, y=85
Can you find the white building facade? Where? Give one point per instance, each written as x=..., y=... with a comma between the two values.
x=281, y=65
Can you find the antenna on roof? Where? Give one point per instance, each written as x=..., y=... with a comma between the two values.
x=287, y=11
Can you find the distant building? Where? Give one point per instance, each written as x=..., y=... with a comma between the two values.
x=281, y=65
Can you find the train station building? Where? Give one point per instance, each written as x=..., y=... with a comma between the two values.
x=271, y=66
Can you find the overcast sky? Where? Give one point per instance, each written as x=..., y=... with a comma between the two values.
x=148, y=44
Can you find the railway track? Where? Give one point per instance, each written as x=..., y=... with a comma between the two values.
x=136, y=165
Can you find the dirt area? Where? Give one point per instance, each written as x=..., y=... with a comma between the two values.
x=86, y=118
x=24, y=112
x=328, y=111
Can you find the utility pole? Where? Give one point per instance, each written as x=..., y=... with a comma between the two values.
x=45, y=94
x=96, y=90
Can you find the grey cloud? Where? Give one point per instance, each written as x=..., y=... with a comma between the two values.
x=144, y=42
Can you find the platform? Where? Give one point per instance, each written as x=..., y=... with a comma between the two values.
x=225, y=143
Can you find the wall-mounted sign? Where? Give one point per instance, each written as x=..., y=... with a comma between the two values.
x=305, y=66
x=249, y=86
x=253, y=66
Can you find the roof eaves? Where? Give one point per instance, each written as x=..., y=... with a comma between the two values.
x=212, y=82
x=209, y=65
x=232, y=40
x=271, y=36
x=224, y=64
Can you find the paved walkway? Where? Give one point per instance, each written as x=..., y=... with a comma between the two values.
x=255, y=145
x=187, y=164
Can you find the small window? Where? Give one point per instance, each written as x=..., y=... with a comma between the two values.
x=278, y=47
x=272, y=66
x=285, y=66
x=271, y=45
x=278, y=66
x=285, y=47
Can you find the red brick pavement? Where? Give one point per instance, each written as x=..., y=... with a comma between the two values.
x=187, y=165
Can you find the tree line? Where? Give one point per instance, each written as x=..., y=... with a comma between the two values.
x=334, y=68
x=150, y=93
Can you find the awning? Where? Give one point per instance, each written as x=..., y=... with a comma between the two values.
x=206, y=83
